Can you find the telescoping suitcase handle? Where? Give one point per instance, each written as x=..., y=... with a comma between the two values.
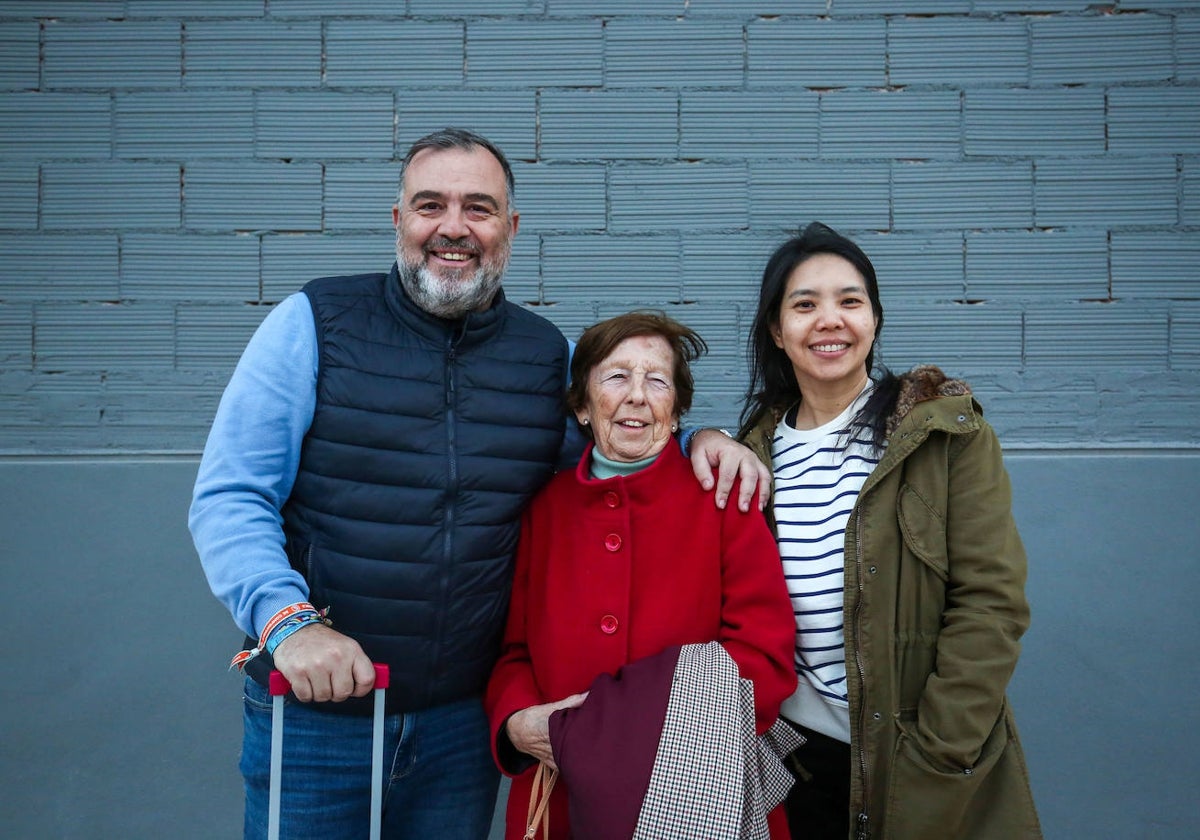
x=279, y=686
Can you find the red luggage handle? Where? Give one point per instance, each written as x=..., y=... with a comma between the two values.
x=277, y=683
x=278, y=686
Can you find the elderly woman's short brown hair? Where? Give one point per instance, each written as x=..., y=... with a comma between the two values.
x=599, y=340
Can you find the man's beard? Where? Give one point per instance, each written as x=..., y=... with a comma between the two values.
x=452, y=297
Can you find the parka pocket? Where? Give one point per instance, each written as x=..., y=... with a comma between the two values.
x=924, y=530
x=928, y=799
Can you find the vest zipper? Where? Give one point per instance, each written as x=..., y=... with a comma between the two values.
x=448, y=516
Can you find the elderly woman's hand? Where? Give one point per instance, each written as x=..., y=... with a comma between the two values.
x=529, y=729
x=712, y=448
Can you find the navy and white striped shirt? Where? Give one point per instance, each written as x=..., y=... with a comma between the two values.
x=818, y=475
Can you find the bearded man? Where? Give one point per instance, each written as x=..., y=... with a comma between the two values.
x=359, y=500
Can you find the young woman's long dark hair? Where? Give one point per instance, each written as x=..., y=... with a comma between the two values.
x=773, y=388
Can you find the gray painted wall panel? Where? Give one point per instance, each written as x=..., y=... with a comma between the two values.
x=359, y=196
x=46, y=267
x=574, y=196
x=891, y=124
x=751, y=124
x=819, y=53
x=1098, y=335
x=377, y=53
x=956, y=337
x=209, y=9
x=323, y=125
x=181, y=125
x=1016, y=265
x=509, y=118
x=1187, y=45
x=122, y=54
x=109, y=195
x=99, y=337
x=1040, y=121
x=619, y=265
x=1149, y=265
x=1106, y=192
x=677, y=196
x=578, y=124
x=946, y=50
x=19, y=55
x=16, y=335
x=541, y=53
x=784, y=195
x=45, y=9
x=667, y=53
x=254, y=53
x=252, y=196
x=18, y=196
x=1153, y=121
x=919, y=267
x=1185, y=336
x=85, y=120
x=1123, y=48
x=972, y=195
x=212, y=268
x=288, y=262
x=1189, y=207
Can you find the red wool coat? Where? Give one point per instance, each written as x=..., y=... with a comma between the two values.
x=611, y=571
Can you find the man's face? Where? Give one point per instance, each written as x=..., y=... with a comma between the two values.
x=454, y=230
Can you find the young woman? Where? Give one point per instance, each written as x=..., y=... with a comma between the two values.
x=892, y=512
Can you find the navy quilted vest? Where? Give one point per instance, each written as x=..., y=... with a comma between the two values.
x=428, y=439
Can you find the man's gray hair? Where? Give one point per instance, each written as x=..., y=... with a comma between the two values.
x=457, y=138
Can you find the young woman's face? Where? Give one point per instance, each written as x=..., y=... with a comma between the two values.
x=826, y=324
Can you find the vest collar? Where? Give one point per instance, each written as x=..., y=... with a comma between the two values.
x=472, y=329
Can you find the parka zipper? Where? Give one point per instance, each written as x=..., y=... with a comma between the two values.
x=863, y=831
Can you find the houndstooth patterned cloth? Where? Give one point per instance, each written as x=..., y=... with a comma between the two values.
x=713, y=779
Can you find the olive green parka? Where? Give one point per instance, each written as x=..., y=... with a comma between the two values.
x=934, y=611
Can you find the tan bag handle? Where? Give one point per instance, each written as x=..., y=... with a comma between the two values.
x=538, y=815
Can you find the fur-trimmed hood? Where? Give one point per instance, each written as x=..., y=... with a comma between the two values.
x=924, y=382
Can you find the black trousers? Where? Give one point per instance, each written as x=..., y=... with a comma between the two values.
x=818, y=805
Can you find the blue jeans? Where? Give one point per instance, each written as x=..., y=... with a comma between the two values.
x=442, y=782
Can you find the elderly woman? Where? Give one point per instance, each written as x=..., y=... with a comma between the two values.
x=627, y=556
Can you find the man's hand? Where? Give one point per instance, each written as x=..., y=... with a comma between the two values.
x=711, y=448
x=529, y=729
x=322, y=664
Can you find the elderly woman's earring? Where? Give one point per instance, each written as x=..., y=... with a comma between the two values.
x=674, y=428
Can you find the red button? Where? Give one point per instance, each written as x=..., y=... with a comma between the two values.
x=613, y=542
x=612, y=499
x=608, y=624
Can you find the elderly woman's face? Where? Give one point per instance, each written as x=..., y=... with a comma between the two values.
x=631, y=399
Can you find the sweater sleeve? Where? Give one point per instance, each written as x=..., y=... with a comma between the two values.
x=249, y=466
x=758, y=628
x=986, y=612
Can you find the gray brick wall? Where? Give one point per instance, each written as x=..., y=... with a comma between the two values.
x=1025, y=174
